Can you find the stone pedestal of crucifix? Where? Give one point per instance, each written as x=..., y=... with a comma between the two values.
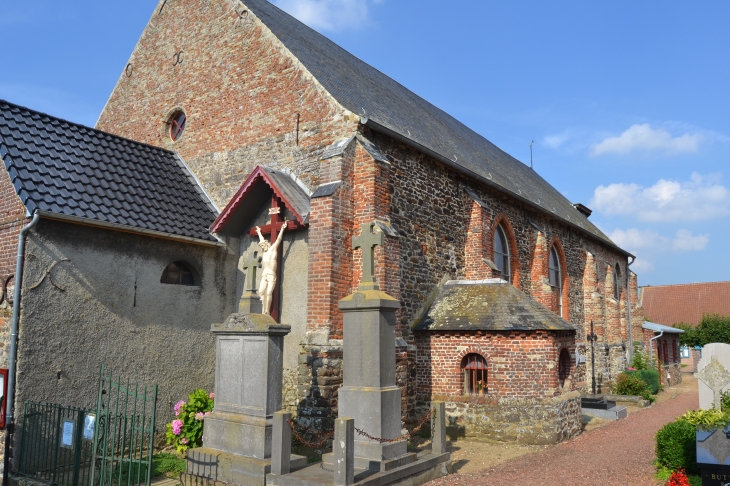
x=369, y=394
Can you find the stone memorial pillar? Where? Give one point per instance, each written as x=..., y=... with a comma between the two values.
x=369, y=394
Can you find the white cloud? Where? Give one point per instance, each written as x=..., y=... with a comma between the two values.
x=635, y=239
x=555, y=141
x=685, y=241
x=645, y=138
x=700, y=198
x=640, y=242
x=329, y=15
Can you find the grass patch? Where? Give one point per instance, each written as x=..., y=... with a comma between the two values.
x=166, y=464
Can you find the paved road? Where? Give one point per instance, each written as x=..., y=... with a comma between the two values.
x=617, y=454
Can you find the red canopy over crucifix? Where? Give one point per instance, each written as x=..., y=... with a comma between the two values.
x=281, y=192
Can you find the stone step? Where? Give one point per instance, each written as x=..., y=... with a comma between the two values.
x=613, y=413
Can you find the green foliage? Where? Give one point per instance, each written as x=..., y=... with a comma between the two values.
x=170, y=465
x=649, y=376
x=713, y=328
x=641, y=361
x=627, y=384
x=186, y=431
x=705, y=419
x=725, y=401
x=675, y=446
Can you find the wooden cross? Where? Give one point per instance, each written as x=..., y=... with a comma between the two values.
x=367, y=241
x=250, y=265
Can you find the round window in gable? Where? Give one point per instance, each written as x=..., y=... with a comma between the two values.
x=177, y=125
x=177, y=273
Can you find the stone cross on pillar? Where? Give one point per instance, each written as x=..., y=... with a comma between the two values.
x=250, y=265
x=370, y=237
x=250, y=302
x=716, y=377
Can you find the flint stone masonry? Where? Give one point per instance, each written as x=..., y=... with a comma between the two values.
x=713, y=374
x=522, y=420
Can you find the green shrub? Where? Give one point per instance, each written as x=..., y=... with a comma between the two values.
x=725, y=401
x=649, y=376
x=675, y=446
x=713, y=328
x=640, y=360
x=707, y=419
x=186, y=431
x=627, y=384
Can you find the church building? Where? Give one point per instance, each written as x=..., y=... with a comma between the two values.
x=264, y=130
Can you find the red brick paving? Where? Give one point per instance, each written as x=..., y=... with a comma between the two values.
x=616, y=454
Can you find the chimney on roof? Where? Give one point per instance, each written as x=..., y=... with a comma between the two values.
x=584, y=210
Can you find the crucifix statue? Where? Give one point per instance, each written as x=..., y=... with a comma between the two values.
x=592, y=338
x=369, y=238
x=269, y=263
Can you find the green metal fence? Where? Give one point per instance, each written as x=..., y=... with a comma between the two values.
x=56, y=444
x=124, y=432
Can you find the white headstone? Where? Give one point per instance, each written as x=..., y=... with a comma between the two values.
x=713, y=374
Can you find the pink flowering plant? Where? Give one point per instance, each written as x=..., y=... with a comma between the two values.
x=186, y=430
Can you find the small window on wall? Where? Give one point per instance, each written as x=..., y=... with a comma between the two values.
x=177, y=123
x=501, y=253
x=564, y=367
x=617, y=283
x=177, y=273
x=474, y=368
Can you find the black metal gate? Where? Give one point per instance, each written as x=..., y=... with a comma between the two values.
x=76, y=447
x=56, y=444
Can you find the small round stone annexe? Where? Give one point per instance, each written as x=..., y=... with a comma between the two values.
x=526, y=396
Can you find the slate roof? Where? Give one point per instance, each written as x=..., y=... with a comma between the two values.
x=672, y=304
x=65, y=169
x=369, y=93
x=488, y=305
x=653, y=326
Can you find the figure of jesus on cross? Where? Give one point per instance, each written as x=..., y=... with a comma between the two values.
x=269, y=262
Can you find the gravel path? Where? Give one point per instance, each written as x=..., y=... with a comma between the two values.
x=616, y=454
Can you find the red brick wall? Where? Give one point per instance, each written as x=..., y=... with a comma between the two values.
x=520, y=364
x=476, y=244
x=239, y=88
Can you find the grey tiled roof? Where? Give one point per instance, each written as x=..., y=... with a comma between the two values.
x=71, y=170
x=488, y=305
x=366, y=91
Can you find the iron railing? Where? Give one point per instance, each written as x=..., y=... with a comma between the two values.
x=56, y=444
x=124, y=433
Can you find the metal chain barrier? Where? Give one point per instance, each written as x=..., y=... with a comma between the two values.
x=314, y=445
x=406, y=436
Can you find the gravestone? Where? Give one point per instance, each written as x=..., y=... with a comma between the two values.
x=713, y=374
x=713, y=456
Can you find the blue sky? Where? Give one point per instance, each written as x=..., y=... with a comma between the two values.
x=626, y=101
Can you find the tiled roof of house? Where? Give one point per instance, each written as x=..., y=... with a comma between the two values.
x=672, y=304
x=371, y=94
x=488, y=305
x=70, y=170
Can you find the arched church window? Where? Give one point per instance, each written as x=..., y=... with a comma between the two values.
x=177, y=124
x=501, y=253
x=564, y=366
x=556, y=276
x=177, y=273
x=474, y=368
x=617, y=282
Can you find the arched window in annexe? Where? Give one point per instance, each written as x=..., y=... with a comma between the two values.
x=617, y=282
x=556, y=277
x=177, y=273
x=501, y=253
x=564, y=363
x=474, y=367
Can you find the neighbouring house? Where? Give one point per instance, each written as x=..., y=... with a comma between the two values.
x=662, y=343
x=685, y=304
x=500, y=278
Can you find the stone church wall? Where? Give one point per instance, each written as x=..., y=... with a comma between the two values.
x=93, y=296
